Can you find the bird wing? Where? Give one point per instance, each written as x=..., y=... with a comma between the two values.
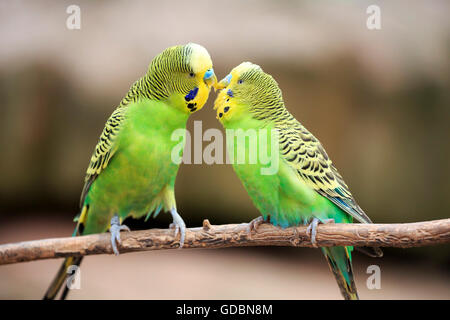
x=104, y=150
x=304, y=153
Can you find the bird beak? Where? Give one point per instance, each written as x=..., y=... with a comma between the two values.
x=223, y=83
x=210, y=78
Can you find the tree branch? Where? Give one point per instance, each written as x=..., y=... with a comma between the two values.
x=234, y=235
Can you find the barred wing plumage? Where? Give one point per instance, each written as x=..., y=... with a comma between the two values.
x=104, y=150
x=304, y=153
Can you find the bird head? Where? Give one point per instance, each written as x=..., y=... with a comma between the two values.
x=184, y=75
x=246, y=90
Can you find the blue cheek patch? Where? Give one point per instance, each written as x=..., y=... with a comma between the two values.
x=192, y=94
x=230, y=93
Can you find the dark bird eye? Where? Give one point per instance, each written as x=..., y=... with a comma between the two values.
x=191, y=74
x=240, y=81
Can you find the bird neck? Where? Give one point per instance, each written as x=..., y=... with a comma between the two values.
x=144, y=89
x=272, y=110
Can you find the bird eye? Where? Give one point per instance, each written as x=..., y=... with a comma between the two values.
x=191, y=74
x=240, y=81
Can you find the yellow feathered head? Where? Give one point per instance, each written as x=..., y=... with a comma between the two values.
x=182, y=74
x=247, y=89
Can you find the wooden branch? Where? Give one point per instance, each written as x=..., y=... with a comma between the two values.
x=234, y=235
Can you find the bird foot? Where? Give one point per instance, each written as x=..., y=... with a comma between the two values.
x=115, y=229
x=312, y=228
x=179, y=226
x=255, y=223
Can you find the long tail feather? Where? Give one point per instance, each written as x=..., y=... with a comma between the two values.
x=62, y=275
x=339, y=260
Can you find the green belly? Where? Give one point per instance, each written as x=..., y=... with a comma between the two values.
x=283, y=195
x=140, y=168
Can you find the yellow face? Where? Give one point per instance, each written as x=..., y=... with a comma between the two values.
x=226, y=104
x=202, y=74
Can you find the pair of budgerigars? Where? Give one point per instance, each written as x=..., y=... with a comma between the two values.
x=131, y=172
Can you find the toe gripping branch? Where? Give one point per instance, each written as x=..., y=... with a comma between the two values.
x=312, y=228
x=179, y=225
x=115, y=229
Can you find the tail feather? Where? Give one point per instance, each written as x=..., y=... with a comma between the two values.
x=61, y=276
x=339, y=260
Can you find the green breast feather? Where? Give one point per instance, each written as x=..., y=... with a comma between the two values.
x=141, y=166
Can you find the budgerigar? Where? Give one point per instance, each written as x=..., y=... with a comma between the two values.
x=305, y=188
x=131, y=172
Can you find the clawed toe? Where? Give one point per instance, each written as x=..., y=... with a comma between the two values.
x=115, y=229
x=174, y=226
x=312, y=228
x=179, y=225
x=254, y=224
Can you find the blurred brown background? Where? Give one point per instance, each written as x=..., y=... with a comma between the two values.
x=377, y=99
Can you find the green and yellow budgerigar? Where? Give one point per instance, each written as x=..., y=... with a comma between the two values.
x=305, y=188
x=131, y=172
